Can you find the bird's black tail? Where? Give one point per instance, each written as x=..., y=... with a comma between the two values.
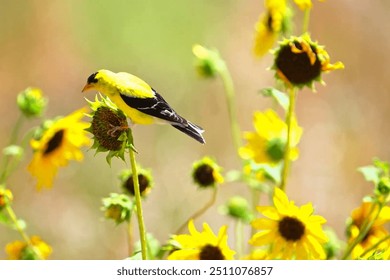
x=191, y=130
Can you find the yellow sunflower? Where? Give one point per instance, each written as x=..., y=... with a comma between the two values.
x=268, y=142
x=203, y=245
x=376, y=233
x=19, y=250
x=58, y=144
x=257, y=254
x=291, y=232
x=270, y=25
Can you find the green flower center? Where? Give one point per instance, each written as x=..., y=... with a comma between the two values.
x=27, y=253
x=296, y=67
x=275, y=149
x=143, y=184
x=204, y=175
x=54, y=142
x=210, y=252
x=291, y=229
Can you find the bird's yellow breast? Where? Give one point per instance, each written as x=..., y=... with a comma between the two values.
x=136, y=116
x=114, y=84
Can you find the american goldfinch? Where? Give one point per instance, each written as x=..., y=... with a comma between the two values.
x=140, y=102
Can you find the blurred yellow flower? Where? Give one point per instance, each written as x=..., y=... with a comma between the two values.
x=203, y=245
x=368, y=211
x=59, y=143
x=257, y=254
x=269, y=26
x=19, y=250
x=291, y=232
x=267, y=143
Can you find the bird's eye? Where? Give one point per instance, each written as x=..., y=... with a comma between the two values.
x=92, y=79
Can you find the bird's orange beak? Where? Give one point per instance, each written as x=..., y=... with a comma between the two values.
x=87, y=87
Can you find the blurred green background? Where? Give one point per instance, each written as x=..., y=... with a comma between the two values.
x=55, y=45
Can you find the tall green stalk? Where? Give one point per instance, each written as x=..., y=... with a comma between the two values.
x=137, y=192
x=5, y=169
x=200, y=211
x=231, y=104
x=306, y=21
x=289, y=119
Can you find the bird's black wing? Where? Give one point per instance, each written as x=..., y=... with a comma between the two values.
x=154, y=106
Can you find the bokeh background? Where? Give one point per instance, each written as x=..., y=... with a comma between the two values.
x=55, y=45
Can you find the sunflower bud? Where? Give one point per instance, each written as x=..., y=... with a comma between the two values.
x=109, y=127
x=207, y=173
x=299, y=62
x=208, y=62
x=31, y=102
x=117, y=207
x=237, y=207
x=145, y=181
x=383, y=187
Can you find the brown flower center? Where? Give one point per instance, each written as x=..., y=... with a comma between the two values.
x=204, y=176
x=54, y=142
x=296, y=67
x=210, y=252
x=291, y=229
x=143, y=184
x=270, y=22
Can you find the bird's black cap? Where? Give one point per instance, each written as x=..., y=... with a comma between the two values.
x=92, y=79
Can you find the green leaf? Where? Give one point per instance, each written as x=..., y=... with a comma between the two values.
x=280, y=97
x=154, y=248
x=4, y=219
x=370, y=173
x=383, y=166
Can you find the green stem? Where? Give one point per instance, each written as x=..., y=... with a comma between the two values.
x=130, y=236
x=141, y=225
x=200, y=211
x=15, y=132
x=24, y=235
x=231, y=104
x=255, y=194
x=7, y=159
x=289, y=119
x=364, y=229
x=306, y=21
x=239, y=237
